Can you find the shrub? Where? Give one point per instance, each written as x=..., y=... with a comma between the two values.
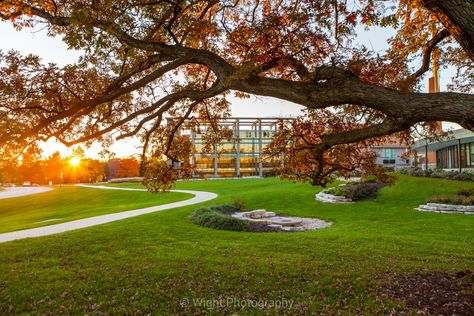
x=438, y=173
x=215, y=217
x=460, y=176
x=452, y=199
x=338, y=191
x=363, y=191
x=387, y=178
x=224, y=208
x=369, y=179
x=466, y=192
x=218, y=217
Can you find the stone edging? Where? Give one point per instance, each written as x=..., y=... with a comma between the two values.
x=446, y=208
x=329, y=198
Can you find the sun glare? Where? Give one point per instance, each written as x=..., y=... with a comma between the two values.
x=74, y=161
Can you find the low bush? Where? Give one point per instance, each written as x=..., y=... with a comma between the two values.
x=387, y=178
x=369, y=179
x=438, y=173
x=462, y=197
x=466, y=192
x=338, y=191
x=363, y=191
x=357, y=191
x=452, y=199
x=218, y=217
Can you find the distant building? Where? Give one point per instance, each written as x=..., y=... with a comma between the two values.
x=242, y=155
x=456, y=151
x=393, y=153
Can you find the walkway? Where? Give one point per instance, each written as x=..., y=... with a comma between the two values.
x=22, y=191
x=199, y=197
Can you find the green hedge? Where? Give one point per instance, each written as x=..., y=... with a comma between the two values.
x=218, y=217
x=462, y=197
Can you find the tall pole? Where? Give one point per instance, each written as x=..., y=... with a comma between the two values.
x=426, y=155
x=260, y=149
x=237, y=147
x=193, y=155
x=433, y=87
x=215, y=161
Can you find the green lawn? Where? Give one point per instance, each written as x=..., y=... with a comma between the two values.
x=68, y=203
x=158, y=263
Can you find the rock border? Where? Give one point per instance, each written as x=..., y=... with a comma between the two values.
x=330, y=198
x=446, y=208
x=282, y=223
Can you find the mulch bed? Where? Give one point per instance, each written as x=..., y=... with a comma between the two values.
x=437, y=293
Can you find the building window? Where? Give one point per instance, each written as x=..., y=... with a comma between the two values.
x=449, y=157
x=388, y=156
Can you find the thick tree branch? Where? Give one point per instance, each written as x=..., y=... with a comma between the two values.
x=413, y=106
x=457, y=18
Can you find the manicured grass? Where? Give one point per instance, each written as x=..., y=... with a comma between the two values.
x=68, y=203
x=158, y=263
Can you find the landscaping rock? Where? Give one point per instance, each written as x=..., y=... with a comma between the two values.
x=286, y=221
x=329, y=198
x=446, y=208
x=282, y=222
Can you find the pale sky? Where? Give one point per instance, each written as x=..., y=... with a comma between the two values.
x=55, y=51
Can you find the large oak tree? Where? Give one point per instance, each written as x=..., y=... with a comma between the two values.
x=144, y=60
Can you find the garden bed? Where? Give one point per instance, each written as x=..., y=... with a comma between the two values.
x=351, y=192
x=228, y=217
x=460, y=203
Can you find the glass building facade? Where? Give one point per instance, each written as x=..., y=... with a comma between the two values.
x=456, y=156
x=243, y=155
x=453, y=151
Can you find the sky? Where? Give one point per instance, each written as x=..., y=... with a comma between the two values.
x=52, y=49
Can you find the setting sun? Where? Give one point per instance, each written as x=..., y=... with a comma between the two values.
x=74, y=161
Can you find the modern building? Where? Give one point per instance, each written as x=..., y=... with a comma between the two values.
x=392, y=153
x=455, y=151
x=242, y=155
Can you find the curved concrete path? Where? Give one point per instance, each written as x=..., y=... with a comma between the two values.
x=199, y=197
x=22, y=191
